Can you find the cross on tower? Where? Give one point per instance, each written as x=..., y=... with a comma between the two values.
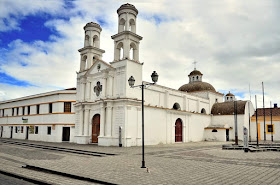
x=194, y=64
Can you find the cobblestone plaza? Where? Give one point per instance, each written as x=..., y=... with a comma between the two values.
x=182, y=163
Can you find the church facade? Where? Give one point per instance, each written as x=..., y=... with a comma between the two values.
x=107, y=111
x=105, y=101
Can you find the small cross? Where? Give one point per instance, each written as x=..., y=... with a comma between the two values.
x=194, y=62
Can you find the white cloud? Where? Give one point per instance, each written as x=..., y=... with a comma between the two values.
x=13, y=11
x=232, y=41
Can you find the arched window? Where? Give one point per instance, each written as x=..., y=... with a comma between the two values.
x=197, y=77
x=86, y=40
x=203, y=111
x=132, y=26
x=214, y=130
x=84, y=62
x=119, y=53
x=132, y=51
x=227, y=98
x=95, y=41
x=121, y=25
x=176, y=106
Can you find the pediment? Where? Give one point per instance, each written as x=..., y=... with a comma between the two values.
x=97, y=67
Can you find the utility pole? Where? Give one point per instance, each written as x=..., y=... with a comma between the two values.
x=257, y=120
x=264, y=133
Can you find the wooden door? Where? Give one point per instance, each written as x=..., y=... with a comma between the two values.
x=178, y=131
x=95, y=128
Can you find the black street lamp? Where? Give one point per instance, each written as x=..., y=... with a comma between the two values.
x=131, y=82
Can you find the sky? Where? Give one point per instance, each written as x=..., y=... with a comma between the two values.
x=236, y=43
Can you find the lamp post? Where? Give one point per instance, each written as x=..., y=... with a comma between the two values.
x=131, y=82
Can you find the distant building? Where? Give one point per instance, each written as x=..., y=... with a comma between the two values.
x=48, y=116
x=272, y=115
x=104, y=101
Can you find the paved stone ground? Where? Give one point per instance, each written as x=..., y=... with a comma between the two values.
x=7, y=180
x=182, y=163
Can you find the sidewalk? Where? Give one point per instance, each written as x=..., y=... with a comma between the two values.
x=181, y=163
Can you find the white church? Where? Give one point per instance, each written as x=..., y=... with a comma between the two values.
x=104, y=109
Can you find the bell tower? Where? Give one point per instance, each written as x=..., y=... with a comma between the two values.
x=126, y=41
x=91, y=49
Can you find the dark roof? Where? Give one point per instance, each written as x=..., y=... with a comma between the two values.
x=227, y=108
x=92, y=24
x=267, y=111
x=197, y=86
x=230, y=94
x=127, y=5
x=73, y=88
x=195, y=72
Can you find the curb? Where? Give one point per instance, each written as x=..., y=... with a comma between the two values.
x=23, y=178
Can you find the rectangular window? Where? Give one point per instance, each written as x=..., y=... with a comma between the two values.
x=28, y=110
x=50, y=107
x=3, y=112
x=13, y=111
x=36, y=129
x=17, y=110
x=16, y=130
x=21, y=129
x=67, y=106
x=49, y=130
x=38, y=109
x=270, y=128
x=23, y=110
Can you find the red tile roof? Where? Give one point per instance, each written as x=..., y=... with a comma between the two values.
x=267, y=111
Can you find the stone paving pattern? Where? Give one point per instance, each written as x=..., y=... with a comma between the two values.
x=182, y=163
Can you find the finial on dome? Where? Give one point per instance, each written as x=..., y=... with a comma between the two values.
x=194, y=62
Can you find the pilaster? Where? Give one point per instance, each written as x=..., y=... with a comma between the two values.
x=102, y=120
x=81, y=124
x=108, y=120
x=86, y=122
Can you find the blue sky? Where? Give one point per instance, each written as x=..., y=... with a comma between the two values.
x=232, y=42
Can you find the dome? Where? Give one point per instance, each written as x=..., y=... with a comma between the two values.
x=195, y=72
x=92, y=24
x=229, y=94
x=127, y=6
x=197, y=86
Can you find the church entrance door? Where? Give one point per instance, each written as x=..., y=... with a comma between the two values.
x=95, y=128
x=178, y=131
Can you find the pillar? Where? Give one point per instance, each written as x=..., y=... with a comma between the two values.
x=81, y=125
x=109, y=86
x=126, y=23
x=104, y=85
x=184, y=103
x=82, y=91
x=102, y=120
x=87, y=90
x=108, y=120
x=86, y=122
x=166, y=99
x=126, y=49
